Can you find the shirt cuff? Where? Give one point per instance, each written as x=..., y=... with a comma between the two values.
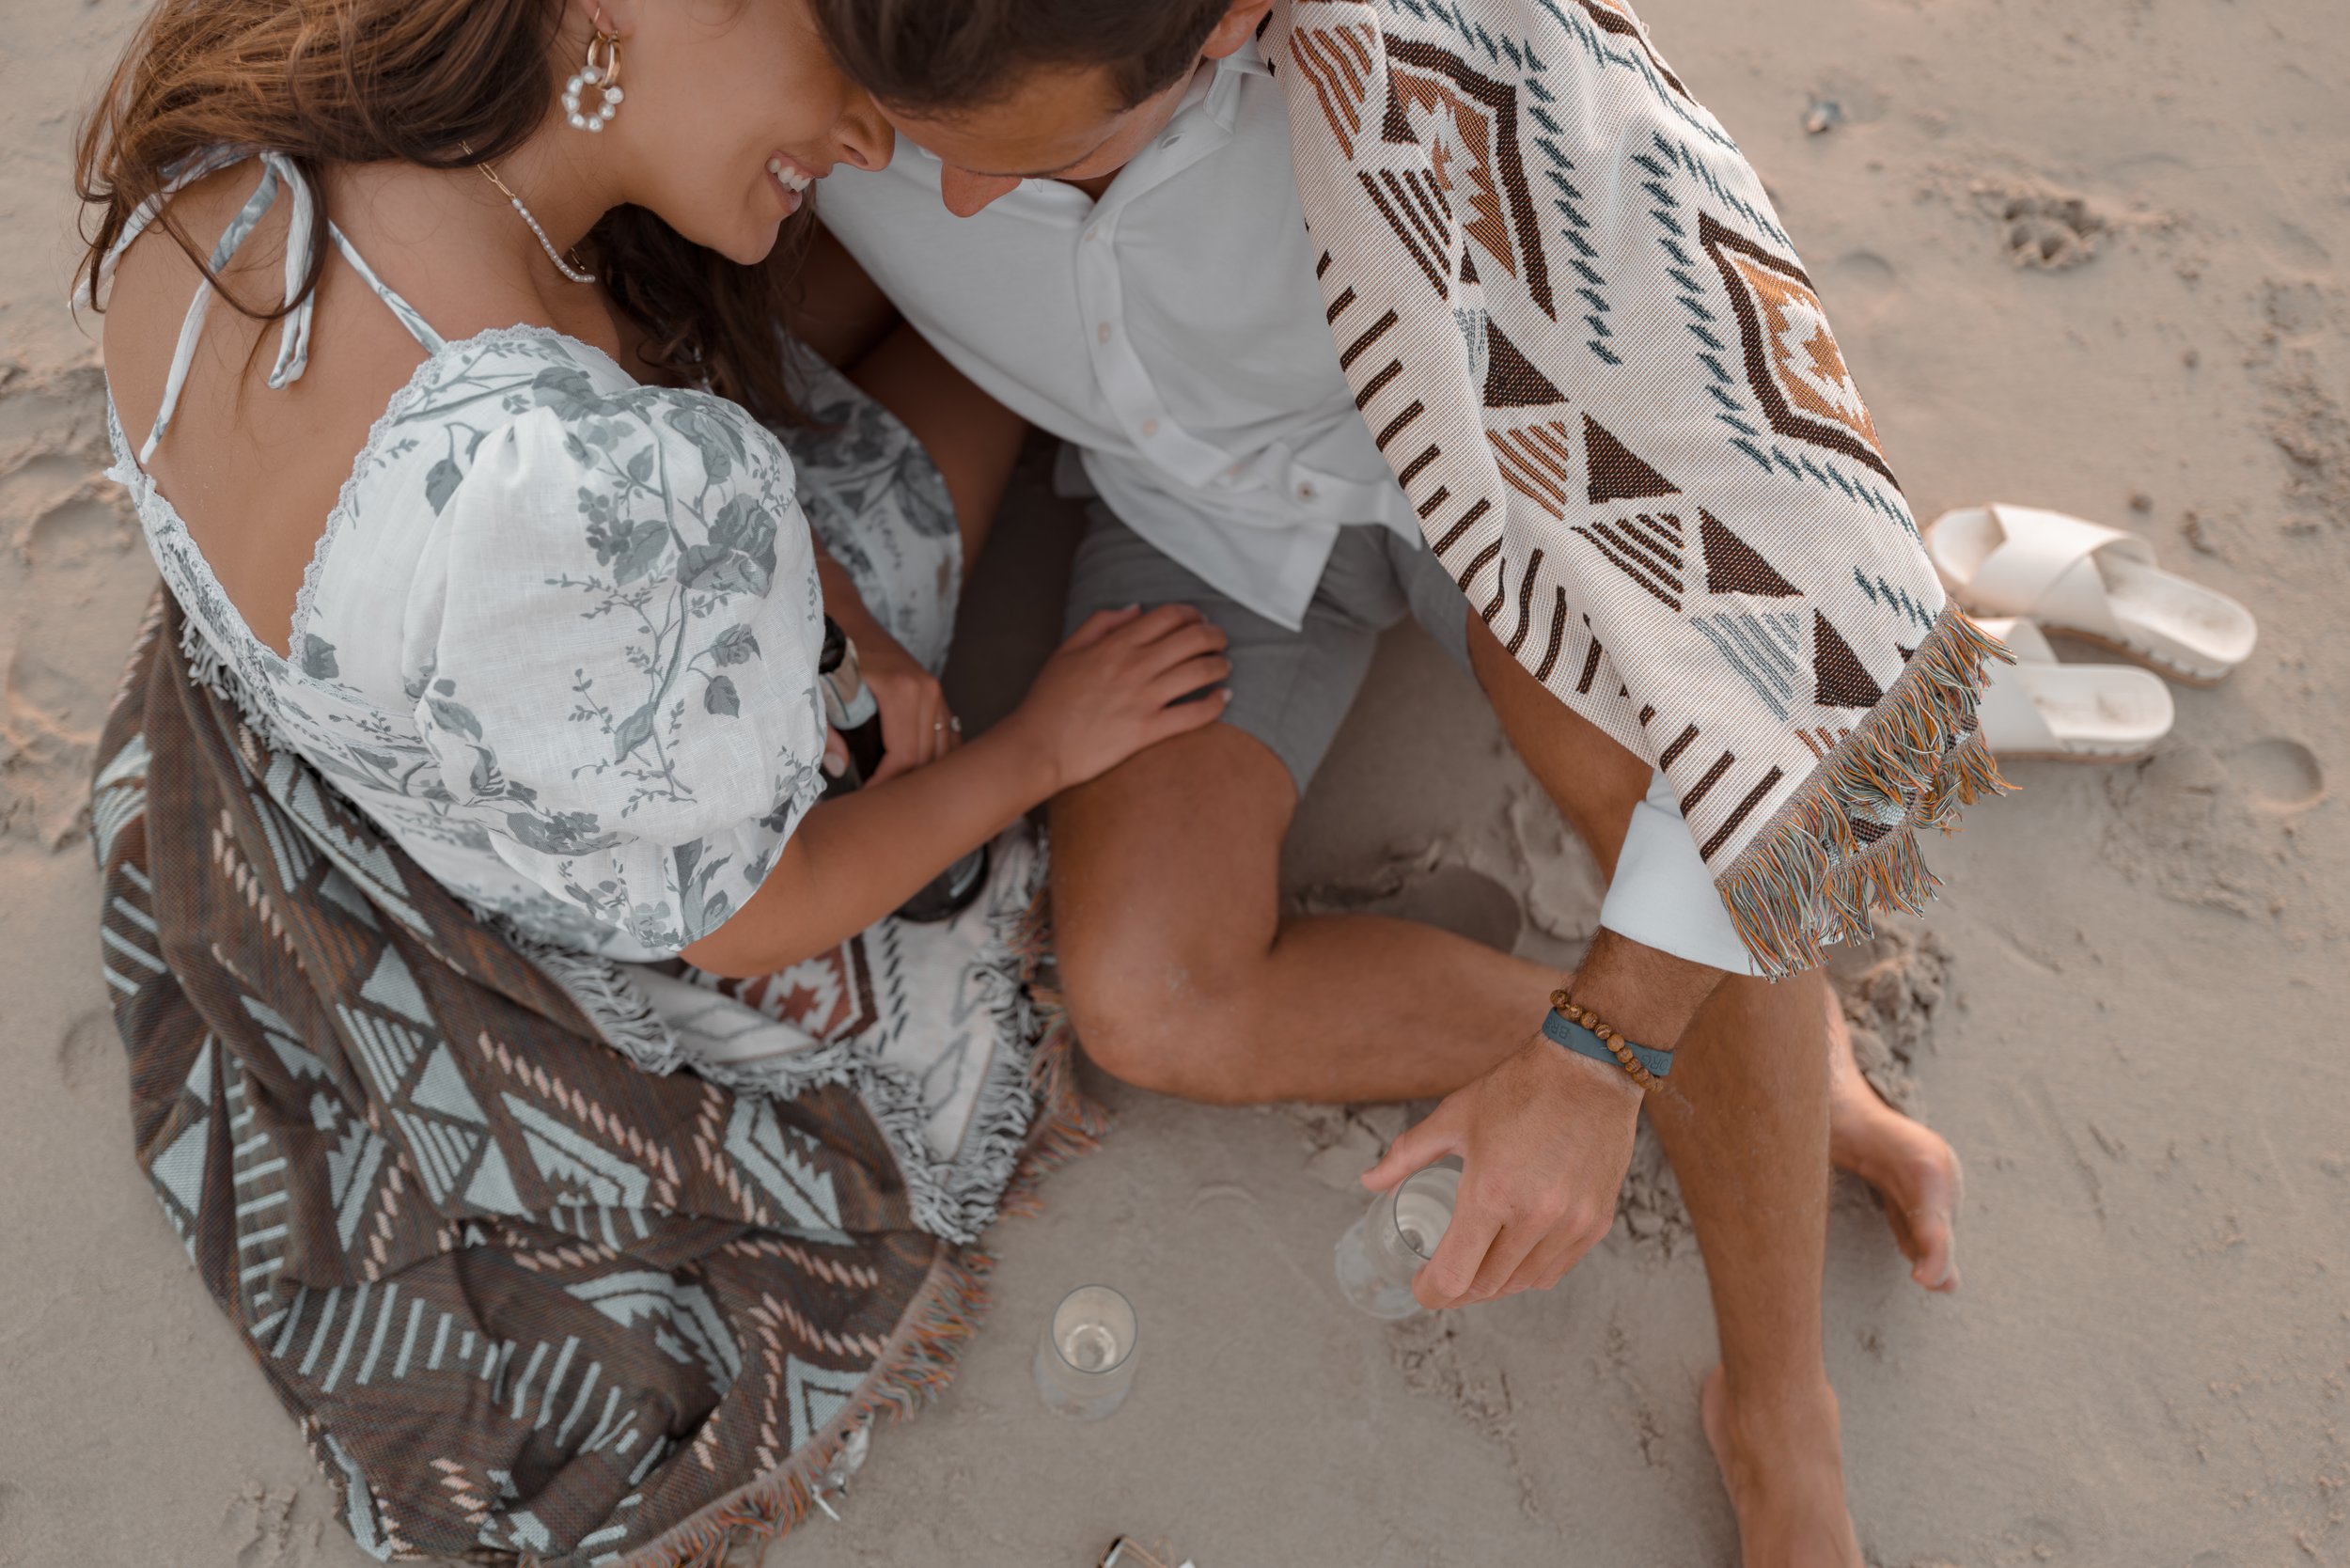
x=1661, y=896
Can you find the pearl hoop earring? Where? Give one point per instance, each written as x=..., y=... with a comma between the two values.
x=601, y=72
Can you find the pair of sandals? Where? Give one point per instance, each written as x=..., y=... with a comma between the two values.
x=2018, y=569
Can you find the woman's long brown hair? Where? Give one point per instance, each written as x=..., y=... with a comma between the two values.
x=418, y=80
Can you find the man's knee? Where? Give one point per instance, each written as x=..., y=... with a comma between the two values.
x=1156, y=1022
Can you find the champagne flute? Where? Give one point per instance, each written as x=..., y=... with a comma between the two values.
x=1085, y=1359
x=1383, y=1252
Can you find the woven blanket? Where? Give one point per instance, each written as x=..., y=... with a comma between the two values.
x=527, y=1300
x=1576, y=330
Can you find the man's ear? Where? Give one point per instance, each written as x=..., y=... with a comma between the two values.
x=1239, y=25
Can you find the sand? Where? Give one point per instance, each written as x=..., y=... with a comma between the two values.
x=2081, y=255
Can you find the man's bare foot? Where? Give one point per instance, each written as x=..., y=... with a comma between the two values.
x=1784, y=1468
x=1916, y=1174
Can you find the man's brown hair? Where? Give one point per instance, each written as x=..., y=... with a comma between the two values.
x=941, y=57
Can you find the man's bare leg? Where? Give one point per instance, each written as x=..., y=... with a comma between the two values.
x=1181, y=976
x=1744, y=1122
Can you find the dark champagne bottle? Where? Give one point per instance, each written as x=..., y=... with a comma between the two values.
x=851, y=708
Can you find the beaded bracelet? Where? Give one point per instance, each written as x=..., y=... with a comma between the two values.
x=1581, y=1030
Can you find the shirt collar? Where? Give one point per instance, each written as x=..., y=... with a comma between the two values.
x=1221, y=92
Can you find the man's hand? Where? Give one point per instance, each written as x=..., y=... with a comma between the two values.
x=1543, y=1141
x=1546, y=1136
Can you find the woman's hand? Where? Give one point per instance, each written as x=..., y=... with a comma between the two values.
x=916, y=725
x=1116, y=687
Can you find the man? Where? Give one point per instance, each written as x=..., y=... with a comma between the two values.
x=1091, y=213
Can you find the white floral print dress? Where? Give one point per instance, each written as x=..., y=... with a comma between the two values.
x=559, y=640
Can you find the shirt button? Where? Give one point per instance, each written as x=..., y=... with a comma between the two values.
x=1306, y=491
x=1150, y=426
x=1103, y=332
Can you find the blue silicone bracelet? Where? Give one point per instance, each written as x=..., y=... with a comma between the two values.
x=1563, y=1030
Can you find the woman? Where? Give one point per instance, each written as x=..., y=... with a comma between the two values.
x=486, y=690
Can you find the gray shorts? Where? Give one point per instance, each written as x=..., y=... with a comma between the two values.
x=1290, y=689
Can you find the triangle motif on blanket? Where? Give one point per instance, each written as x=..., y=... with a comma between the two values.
x=1734, y=566
x=1842, y=681
x=1510, y=379
x=1613, y=473
x=1538, y=463
x=815, y=1394
x=1647, y=549
x=1765, y=650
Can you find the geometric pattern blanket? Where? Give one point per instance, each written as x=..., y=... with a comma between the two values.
x=1574, y=325
x=527, y=1300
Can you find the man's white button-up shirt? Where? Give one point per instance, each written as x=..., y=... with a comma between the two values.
x=1172, y=333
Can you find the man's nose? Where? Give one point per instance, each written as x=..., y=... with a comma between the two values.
x=965, y=193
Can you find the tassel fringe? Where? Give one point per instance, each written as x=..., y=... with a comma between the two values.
x=1813, y=876
x=1069, y=1124
x=917, y=1364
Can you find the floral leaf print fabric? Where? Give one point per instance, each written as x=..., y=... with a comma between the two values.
x=613, y=646
x=559, y=640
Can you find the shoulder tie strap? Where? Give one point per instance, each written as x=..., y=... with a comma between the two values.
x=293, y=336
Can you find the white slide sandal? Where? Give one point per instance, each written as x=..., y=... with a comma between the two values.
x=2084, y=580
x=2039, y=710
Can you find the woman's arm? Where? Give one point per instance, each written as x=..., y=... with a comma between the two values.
x=1113, y=688
x=858, y=858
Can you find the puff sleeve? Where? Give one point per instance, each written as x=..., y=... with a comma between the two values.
x=611, y=645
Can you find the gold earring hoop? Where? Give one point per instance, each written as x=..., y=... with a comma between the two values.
x=602, y=71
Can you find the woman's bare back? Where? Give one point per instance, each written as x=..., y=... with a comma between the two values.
x=256, y=472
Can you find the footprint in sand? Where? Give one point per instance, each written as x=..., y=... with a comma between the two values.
x=84, y=530
x=1430, y=890
x=48, y=725
x=2204, y=829
x=2277, y=773
x=1862, y=286
x=83, y=1050
x=2054, y=233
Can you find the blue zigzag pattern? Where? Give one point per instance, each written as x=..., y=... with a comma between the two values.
x=1632, y=59
x=1879, y=591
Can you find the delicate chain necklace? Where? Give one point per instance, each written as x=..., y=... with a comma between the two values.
x=572, y=268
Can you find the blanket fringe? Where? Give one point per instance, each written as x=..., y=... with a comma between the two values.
x=1813, y=876
x=1070, y=1124
x=917, y=1363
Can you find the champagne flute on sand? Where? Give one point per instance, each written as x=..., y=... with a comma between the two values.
x=1383, y=1252
x=1085, y=1360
